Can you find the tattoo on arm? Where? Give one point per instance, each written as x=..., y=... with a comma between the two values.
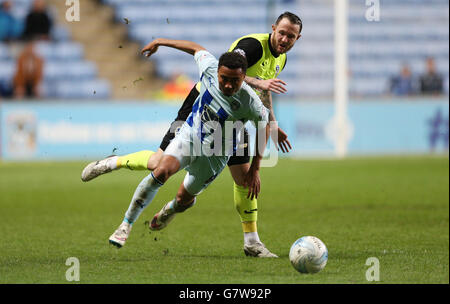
x=251, y=82
x=266, y=99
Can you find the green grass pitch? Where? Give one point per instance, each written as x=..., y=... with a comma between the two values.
x=393, y=208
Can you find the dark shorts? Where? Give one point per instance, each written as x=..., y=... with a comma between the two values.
x=183, y=114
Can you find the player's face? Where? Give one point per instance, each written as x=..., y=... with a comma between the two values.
x=284, y=36
x=230, y=80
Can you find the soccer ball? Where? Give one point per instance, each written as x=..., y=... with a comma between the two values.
x=308, y=254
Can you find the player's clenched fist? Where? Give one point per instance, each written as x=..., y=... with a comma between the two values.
x=150, y=48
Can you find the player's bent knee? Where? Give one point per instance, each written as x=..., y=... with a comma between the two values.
x=162, y=174
x=168, y=166
x=154, y=160
x=238, y=173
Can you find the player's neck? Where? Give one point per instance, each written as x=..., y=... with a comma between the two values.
x=274, y=53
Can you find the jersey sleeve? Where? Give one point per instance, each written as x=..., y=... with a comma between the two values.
x=205, y=60
x=251, y=48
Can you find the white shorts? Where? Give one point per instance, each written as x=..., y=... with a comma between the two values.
x=201, y=170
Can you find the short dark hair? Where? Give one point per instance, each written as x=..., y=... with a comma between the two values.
x=293, y=18
x=233, y=60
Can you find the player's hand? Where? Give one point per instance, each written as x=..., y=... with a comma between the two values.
x=150, y=48
x=253, y=182
x=283, y=142
x=273, y=85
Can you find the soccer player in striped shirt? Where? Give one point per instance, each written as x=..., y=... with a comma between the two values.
x=266, y=56
x=223, y=100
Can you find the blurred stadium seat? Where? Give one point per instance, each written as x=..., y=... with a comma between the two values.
x=69, y=70
x=51, y=51
x=409, y=31
x=66, y=73
x=84, y=89
x=7, y=69
x=4, y=52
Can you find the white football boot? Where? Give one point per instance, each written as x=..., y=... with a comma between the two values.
x=96, y=168
x=120, y=236
x=162, y=218
x=258, y=250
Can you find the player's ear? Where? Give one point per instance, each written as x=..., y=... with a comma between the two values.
x=274, y=27
x=299, y=35
x=243, y=74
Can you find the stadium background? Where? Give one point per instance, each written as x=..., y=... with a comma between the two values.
x=98, y=93
x=99, y=96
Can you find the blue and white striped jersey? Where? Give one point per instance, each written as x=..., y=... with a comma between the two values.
x=213, y=109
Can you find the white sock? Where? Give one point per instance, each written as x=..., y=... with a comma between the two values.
x=112, y=162
x=126, y=223
x=143, y=196
x=251, y=238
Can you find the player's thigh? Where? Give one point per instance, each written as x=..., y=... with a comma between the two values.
x=154, y=159
x=181, y=150
x=239, y=171
x=175, y=158
x=239, y=162
x=168, y=166
x=202, y=172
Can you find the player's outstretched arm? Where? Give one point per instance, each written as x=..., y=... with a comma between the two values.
x=273, y=85
x=282, y=140
x=252, y=179
x=187, y=46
